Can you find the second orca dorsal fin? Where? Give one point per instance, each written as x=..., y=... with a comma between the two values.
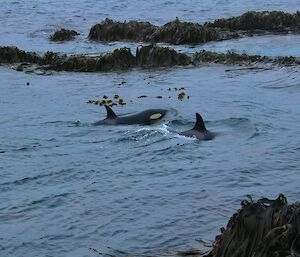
x=200, y=126
x=110, y=113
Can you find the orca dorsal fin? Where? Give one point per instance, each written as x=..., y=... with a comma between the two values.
x=200, y=126
x=110, y=113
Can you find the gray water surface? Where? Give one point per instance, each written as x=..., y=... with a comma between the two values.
x=68, y=186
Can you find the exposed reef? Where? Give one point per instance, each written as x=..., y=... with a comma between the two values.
x=265, y=228
x=122, y=59
x=174, y=32
x=177, y=32
x=63, y=35
x=268, y=21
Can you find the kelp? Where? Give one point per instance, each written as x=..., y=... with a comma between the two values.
x=265, y=228
x=179, y=32
x=151, y=56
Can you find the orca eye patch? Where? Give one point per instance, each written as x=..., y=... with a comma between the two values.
x=155, y=116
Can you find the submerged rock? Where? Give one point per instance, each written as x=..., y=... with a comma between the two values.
x=265, y=228
x=64, y=35
x=270, y=21
x=110, y=30
x=154, y=56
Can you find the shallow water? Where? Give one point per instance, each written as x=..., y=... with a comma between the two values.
x=68, y=186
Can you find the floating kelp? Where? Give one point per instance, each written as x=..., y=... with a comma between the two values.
x=265, y=228
x=268, y=21
x=63, y=35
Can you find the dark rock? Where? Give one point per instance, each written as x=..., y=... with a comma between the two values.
x=64, y=35
x=154, y=56
x=177, y=32
x=270, y=21
x=110, y=30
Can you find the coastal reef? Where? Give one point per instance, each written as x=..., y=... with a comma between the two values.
x=151, y=56
x=177, y=32
x=263, y=228
x=174, y=32
x=63, y=35
x=277, y=21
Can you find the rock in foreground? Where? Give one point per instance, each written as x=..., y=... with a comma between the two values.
x=266, y=228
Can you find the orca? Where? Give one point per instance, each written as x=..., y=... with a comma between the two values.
x=199, y=131
x=146, y=117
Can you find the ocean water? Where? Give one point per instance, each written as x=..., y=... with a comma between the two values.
x=67, y=186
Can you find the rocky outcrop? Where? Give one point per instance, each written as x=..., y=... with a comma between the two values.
x=110, y=30
x=265, y=228
x=11, y=54
x=268, y=21
x=120, y=59
x=63, y=35
x=177, y=32
x=154, y=56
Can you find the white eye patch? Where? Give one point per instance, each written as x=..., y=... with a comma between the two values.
x=155, y=116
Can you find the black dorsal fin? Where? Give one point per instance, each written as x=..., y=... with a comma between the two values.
x=110, y=113
x=199, y=123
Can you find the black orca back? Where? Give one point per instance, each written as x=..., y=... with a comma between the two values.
x=199, y=125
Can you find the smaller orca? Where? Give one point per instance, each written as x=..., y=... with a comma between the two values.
x=146, y=117
x=199, y=130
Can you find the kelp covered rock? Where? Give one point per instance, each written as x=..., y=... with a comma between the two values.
x=64, y=35
x=177, y=32
x=154, y=56
x=110, y=30
x=270, y=21
x=120, y=59
x=11, y=54
x=228, y=58
x=266, y=228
